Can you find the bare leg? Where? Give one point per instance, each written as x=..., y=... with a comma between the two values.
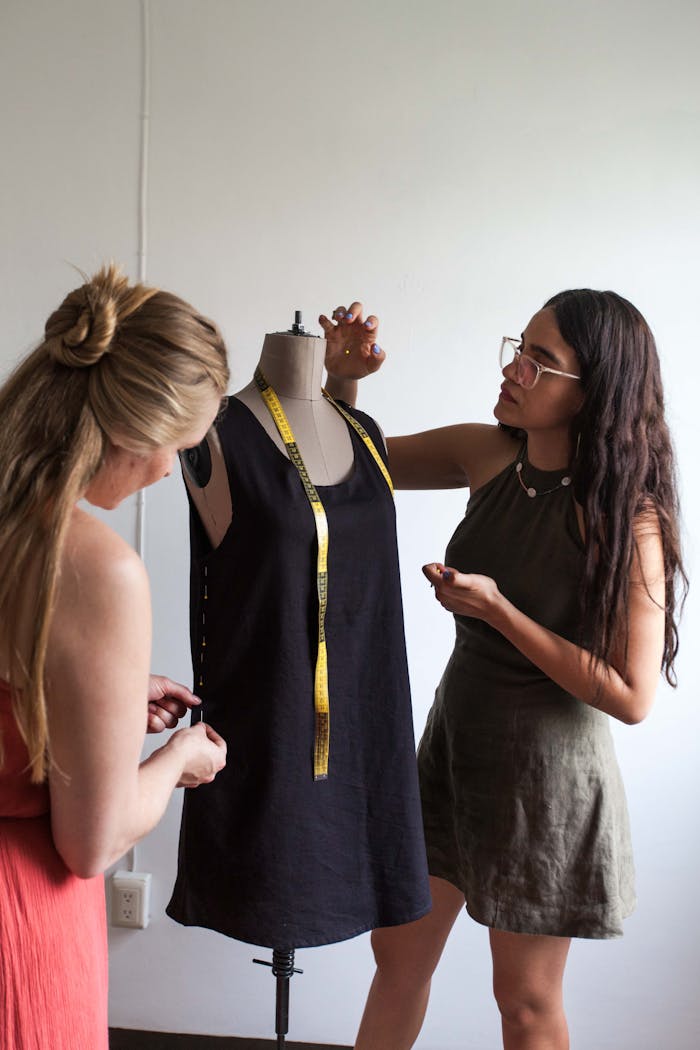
x=406, y=958
x=527, y=982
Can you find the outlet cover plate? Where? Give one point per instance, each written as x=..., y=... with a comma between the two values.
x=131, y=899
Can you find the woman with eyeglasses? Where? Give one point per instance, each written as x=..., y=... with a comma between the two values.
x=562, y=578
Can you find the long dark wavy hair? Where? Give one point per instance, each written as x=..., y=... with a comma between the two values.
x=624, y=465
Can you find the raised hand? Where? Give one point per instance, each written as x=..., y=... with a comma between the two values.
x=352, y=349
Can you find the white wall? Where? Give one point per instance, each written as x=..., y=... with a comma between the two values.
x=454, y=163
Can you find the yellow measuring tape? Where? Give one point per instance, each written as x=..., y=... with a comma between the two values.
x=321, y=696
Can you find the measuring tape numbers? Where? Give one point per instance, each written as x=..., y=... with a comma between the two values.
x=321, y=694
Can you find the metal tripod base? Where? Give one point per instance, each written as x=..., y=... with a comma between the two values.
x=282, y=969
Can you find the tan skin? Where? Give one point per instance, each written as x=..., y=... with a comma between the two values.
x=103, y=799
x=528, y=970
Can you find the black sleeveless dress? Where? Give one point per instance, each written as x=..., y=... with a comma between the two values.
x=268, y=855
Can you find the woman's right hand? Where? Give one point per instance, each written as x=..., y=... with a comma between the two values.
x=204, y=754
x=352, y=350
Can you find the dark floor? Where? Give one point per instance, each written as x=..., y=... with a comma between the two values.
x=128, y=1039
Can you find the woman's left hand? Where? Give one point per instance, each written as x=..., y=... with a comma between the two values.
x=168, y=701
x=466, y=594
x=352, y=350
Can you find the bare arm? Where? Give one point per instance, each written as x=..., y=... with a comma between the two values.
x=102, y=798
x=623, y=689
x=461, y=456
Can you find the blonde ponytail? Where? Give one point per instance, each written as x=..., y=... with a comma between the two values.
x=121, y=363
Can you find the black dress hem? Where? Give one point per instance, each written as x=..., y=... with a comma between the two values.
x=309, y=942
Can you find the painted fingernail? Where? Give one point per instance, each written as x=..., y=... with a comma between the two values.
x=348, y=315
x=376, y=349
x=368, y=324
x=447, y=575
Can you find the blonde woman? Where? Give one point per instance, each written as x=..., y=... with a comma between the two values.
x=125, y=377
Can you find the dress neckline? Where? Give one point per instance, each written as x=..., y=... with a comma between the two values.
x=285, y=457
x=534, y=473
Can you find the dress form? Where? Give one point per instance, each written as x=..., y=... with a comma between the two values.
x=273, y=854
x=292, y=363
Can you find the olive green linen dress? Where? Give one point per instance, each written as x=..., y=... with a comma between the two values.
x=523, y=804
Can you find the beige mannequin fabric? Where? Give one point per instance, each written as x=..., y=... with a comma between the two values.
x=293, y=366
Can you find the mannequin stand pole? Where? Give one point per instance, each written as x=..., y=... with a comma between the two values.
x=282, y=969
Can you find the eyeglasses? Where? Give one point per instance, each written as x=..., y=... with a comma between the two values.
x=527, y=370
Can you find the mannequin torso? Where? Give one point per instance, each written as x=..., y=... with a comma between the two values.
x=293, y=366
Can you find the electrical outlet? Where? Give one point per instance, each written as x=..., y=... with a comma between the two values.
x=131, y=899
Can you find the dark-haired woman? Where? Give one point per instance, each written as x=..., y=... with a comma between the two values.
x=562, y=579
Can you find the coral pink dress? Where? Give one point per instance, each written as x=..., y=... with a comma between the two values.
x=53, y=935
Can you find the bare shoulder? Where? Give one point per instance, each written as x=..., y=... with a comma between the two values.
x=648, y=560
x=488, y=449
x=93, y=547
x=646, y=522
x=100, y=575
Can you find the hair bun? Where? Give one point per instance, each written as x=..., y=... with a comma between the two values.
x=90, y=335
x=81, y=331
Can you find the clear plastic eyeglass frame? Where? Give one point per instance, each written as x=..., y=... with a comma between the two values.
x=523, y=362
